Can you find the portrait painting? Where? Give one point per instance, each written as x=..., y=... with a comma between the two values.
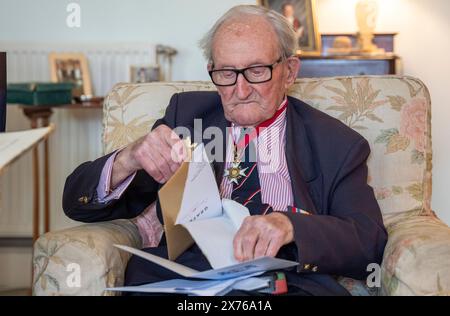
x=302, y=16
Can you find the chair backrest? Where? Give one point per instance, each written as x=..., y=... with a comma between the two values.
x=393, y=113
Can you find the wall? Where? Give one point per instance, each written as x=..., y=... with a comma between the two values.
x=178, y=23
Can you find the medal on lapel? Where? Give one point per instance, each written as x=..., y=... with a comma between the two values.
x=235, y=172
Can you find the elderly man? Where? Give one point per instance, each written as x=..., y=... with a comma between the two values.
x=314, y=206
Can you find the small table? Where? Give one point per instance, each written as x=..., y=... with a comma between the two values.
x=41, y=114
x=12, y=146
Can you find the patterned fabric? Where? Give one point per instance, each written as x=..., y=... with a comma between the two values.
x=392, y=113
x=87, y=249
x=417, y=256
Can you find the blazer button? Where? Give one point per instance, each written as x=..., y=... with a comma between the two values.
x=83, y=199
x=306, y=266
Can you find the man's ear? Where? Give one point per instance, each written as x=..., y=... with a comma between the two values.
x=293, y=67
x=209, y=67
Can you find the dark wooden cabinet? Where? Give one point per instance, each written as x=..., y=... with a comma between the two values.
x=328, y=65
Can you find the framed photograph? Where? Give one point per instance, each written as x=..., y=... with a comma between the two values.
x=140, y=74
x=302, y=15
x=72, y=67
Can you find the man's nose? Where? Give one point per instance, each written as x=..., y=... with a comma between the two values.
x=243, y=88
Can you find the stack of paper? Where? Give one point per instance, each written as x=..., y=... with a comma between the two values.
x=15, y=144
x=199, y=288
x=210, y=282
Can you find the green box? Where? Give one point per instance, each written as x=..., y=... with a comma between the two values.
x=40, y=93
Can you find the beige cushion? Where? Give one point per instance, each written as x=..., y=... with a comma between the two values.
x=417, y=256
x=84, y=254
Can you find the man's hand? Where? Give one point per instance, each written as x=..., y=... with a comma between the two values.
x=160, y=153
x=262, y=235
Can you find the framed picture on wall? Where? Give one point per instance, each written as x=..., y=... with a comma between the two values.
x=72, y=67
x=302, y=15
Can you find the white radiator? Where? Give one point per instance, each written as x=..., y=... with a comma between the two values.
x=108, y=63
x=78, y=132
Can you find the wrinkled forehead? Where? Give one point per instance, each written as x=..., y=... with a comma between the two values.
x=248, y=30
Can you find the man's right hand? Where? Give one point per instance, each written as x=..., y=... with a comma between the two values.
x=160, y=153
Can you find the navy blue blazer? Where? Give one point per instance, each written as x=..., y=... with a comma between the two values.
x=327, y=165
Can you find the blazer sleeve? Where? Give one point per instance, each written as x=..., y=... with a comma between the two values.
x=352, y=234
x=80, y=201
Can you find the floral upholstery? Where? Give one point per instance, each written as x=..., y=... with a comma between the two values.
x=393, y=113
x=90, y=248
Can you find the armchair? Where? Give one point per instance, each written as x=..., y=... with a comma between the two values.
x=391, y=112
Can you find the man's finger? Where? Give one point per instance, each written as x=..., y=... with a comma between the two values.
x=162, y=158
x=149, y=166
x=176, y=145
x=164, y=166
x=249, y=241
x=178, y=153
x=237, y=247
x=261, y=247
x=273, y=247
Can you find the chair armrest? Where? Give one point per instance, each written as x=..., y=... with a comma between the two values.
x=416, y=258
x=82, y=260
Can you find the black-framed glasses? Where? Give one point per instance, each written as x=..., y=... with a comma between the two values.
x=253, y=74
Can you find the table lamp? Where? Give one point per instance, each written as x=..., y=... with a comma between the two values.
x=366, y=17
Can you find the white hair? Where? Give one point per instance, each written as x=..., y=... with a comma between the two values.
x=287, y=42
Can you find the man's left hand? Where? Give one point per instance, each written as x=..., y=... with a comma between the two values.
x=262, y=235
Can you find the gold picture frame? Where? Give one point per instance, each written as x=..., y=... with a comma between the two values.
x=144, y=73
x=303, y=16
x=72, y=67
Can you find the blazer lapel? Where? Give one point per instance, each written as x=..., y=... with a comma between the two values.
x=299, y=159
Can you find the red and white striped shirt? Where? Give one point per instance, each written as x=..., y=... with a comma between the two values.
x=271, y=161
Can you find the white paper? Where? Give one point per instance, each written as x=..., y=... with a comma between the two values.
x=246, y=268
x=204, y=288
x=170, y=265
x=14, y=144
x=212, y=223
x=243, y=269
x=197, y=287
x=201, y=198
x=215, y=235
